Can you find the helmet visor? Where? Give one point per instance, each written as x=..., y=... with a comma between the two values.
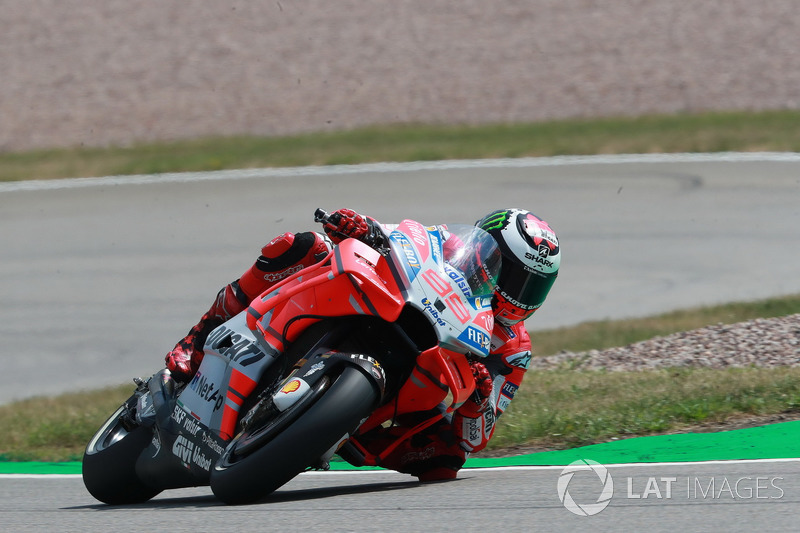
x=524, y=289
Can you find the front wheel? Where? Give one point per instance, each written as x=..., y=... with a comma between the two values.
x=243, y=475
x=109, y=464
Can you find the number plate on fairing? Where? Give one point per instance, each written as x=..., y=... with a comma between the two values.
x=463, y=320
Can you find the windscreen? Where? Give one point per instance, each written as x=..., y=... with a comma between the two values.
x=475, y=255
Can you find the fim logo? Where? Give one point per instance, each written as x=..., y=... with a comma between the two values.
x=594, y=469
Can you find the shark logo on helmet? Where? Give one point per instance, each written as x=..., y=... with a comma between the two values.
x=541, y=234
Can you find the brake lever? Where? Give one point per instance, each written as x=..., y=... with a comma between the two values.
x=322, y=217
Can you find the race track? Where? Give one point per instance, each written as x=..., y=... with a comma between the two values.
x=99, y=278
x=701, y=498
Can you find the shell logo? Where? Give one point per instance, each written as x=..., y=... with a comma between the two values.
x=291, y=386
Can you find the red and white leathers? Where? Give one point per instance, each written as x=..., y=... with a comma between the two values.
x=507, y=362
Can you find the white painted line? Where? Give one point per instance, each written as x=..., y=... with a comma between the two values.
x=293, y=172
x=640, y=465
x=40, y=476
x=472, y=470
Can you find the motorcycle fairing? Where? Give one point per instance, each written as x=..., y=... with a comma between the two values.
x=233, y=364
x=354, y=279
x=439, y=291
x=181, y=451
x=238, y=352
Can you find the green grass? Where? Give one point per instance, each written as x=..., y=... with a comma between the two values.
x=708, y=132
x=562, y=409
x=559, y=408
x=56, y=428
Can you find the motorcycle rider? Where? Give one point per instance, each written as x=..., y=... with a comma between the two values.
x=531, y=259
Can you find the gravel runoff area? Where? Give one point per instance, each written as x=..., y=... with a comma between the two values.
x=114, y=72
x=764, y=342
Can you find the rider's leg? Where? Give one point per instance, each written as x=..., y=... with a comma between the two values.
x=281, y=257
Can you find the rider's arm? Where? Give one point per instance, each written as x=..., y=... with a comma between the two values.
x=507, y=363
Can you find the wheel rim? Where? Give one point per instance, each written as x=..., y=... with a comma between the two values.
x=109, y=434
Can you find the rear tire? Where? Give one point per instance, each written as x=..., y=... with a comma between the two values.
x=244, y=479
x=109, y=464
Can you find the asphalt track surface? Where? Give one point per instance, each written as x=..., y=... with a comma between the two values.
x=99, y=278
x=680, y=497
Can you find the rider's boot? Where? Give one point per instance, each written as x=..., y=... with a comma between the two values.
x=431, y=455
x=185, y=358
x=280, y=258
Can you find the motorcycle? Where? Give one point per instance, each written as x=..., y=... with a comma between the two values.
x=350, y=344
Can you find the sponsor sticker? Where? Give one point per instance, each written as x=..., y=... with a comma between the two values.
x=207, y=390
x=290, y=387
x=189, y=453
x=314, y=368
x=234, y=346
x=509, y=389
x=476, y=338
x=412, y=262
x=433, y=312
x=521, y=359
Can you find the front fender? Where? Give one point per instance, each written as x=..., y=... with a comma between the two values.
x=332, y=362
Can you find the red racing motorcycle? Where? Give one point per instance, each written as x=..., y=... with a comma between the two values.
x=365, y=336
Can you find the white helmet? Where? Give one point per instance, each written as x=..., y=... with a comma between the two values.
x=531, y=258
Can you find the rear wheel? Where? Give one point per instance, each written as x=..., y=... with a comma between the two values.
x=262, y=459
x=109, y=464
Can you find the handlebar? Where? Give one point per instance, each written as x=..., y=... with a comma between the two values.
x=322, y=216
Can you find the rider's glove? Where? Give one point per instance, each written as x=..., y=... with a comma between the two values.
x=180, y=364
x=346, y=223
x=479, y=399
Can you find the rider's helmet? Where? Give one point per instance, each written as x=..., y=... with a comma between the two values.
x=531, y=258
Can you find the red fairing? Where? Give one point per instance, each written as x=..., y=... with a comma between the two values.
x=346, y=281
x=439, y=450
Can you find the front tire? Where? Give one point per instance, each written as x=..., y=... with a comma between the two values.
x=109, y=464
x=238, y=479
